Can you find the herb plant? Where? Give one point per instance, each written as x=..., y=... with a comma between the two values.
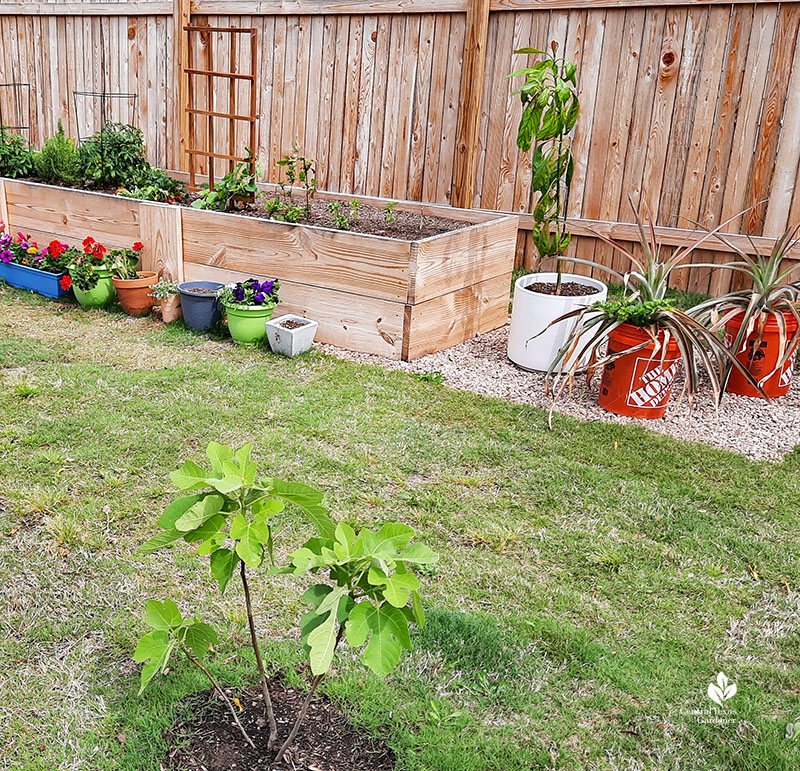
x=163, y=289
x=16, y=157
x=389, y=212
x=58, y=161
x=550, y=107
x=114, y=156
x=343, y=217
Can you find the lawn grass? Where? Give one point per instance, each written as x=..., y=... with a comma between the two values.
x=594, y=578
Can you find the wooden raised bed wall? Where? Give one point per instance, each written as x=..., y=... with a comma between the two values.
x=400, y=299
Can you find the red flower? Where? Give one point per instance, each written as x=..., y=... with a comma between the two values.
x=88, y=241
x=138, y=246
x=66, y=282
x=98, y=250
x=56, y=249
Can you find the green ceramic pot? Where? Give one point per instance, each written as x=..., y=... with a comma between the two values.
x=247, y=323
x=101, y=295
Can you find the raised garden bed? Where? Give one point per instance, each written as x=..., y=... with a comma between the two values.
x=374, y=294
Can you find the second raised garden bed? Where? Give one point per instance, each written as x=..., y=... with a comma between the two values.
x=373, y=294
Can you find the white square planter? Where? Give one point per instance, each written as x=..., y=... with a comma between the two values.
x=291, y=342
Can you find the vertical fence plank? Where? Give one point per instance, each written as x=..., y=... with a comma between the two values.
x=470, y=102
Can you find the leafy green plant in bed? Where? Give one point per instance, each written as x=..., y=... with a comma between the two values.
x=237, y=185
x=58, y=160
x=114, y=156
x=155, y=185
x=16, y=157
x=367, y=594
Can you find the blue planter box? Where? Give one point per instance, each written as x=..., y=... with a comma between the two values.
x=39, y=281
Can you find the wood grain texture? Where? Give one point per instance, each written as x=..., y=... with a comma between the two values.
x=72, y=214
x=160, y=230
x=462, y=258
x=366, y=265
x=350, y=321
x=455, y=317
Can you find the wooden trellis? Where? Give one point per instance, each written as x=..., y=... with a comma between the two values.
x=198, y=112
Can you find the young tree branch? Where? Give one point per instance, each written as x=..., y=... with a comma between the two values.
x=219, y=690
x=273, y=726
x=304, y=709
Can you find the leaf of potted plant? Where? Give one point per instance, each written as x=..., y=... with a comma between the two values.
x=132, y=285
x=648, y=338
x=201, y=309
x=248, y=306
x=291, y=335
x=169, y=300
x=761, y=323
x=91, y=276
x=24, y=265
x=550, y=110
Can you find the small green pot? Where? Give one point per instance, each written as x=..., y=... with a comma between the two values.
x=101, y=295
x=247, y=323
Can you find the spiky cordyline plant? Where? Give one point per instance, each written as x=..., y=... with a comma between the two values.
x=646, y=307
x=772, y=296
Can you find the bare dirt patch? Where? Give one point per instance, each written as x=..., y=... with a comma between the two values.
x=326, y=741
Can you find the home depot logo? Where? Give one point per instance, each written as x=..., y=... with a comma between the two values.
x=654, y=383
x=786, y=375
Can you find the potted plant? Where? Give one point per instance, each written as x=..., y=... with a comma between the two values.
x=201, y=309
x=25, y=266
x=647, y=338
x=291, y=334
x=132, y=285
x=169, y=300
x=248, y=306
x=761, y=323
x=549, y=112
x=91, y=276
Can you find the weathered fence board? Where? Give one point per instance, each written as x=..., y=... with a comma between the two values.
x=690, y=105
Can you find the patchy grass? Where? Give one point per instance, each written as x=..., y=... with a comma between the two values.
x=594, y=579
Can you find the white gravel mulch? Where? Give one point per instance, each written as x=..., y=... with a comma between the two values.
x=751, y=427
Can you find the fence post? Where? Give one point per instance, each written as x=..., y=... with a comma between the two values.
x=181, y=15
x=470, y=103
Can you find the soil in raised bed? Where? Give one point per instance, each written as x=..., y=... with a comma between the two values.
x=211, y=741
x=568, y=288
x=371, y=220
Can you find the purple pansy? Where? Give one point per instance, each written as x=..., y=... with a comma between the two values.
x=6, y=256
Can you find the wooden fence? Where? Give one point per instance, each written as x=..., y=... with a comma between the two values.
x=692, y=107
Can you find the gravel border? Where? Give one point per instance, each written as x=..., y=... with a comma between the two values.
x=751, y=427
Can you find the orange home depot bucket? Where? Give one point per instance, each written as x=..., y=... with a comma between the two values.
x=638, y=384
x=765, y=359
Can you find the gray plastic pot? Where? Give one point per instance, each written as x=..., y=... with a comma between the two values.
x=200, y=311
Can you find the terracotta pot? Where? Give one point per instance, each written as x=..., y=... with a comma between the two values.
x=638, y=384
x=762, y=364
x=134, y=293
x=171, y=309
